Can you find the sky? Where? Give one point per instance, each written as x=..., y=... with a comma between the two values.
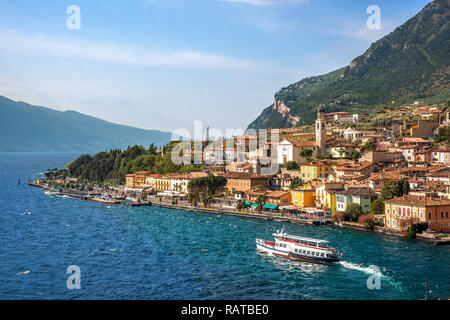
x=163, y=64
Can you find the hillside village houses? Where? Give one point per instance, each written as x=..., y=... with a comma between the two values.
x=337, y=173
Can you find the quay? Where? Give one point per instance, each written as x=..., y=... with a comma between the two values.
x=261, y=216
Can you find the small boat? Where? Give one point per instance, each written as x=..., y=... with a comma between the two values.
x=51, y=192
x=106, y=199
x=299, y=248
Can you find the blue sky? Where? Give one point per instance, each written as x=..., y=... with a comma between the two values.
x=161, y=64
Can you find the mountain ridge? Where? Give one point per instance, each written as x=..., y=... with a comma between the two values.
x=26, y=127
x=410, y=63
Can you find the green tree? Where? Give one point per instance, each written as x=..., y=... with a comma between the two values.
x=354, y=211
x=306, y=153
x=443, y=135
x=356, y=155
x=405, y=186
x=377, y=207
x=291, y=165
x=369, y=145
x=391, y=189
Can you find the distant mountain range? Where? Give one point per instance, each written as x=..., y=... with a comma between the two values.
x=24, y=127
x=411, y=63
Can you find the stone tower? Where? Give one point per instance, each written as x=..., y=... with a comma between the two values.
x=321, y=131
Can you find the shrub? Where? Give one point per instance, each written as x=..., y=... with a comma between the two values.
x=354, y=211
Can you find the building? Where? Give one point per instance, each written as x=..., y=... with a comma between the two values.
x=315, y=170
x=351, y=134
x=278, y=198
x=129, y=181
x=441, y=155
x=243, y=181
x=282, y=182
x=326, y=196
x=404, y=211
x=362, y=196
x=139, y=178
x=273, y=199
x=423, y=129
x=380, y=156
x=136, y=180
x=289, y=150
x=340, y=149
x=159, y=182
x=408, y=151
x=303, y=197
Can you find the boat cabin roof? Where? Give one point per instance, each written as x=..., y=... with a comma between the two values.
x=288, y=236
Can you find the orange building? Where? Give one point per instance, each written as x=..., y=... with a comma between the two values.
x=243, y=181
x=404, y=211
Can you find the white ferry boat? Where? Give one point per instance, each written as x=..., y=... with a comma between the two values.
x=299, y=248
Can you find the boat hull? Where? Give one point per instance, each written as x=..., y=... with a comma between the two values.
x=106, y=201
x=269, y=247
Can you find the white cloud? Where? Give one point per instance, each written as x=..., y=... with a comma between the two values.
x=265, y=2
x=45, y=45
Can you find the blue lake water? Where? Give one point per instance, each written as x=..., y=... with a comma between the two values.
x=154, y=253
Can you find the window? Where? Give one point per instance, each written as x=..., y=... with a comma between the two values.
x=429, y=215
x=442, y=214
x=309, y=252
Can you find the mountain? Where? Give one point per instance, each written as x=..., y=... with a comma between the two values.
x=25, y=127
x=411, y=63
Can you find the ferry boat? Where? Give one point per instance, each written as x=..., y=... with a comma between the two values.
x=299, y=248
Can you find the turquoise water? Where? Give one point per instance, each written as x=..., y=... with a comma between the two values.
x=154, y=253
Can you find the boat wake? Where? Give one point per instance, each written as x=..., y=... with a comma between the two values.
x=358, y=267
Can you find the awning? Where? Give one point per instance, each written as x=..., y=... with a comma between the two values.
x=270, y=206
x=248, y=203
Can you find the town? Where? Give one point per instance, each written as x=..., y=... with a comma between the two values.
x=387, y=172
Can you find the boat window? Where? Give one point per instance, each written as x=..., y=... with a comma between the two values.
x=321, y=254
x=309, y=252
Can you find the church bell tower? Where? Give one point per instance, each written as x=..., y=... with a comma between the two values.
x=321, y=131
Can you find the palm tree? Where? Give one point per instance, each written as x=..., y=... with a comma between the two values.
x=260, y=201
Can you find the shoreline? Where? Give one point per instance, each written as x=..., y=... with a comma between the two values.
x=260, y=216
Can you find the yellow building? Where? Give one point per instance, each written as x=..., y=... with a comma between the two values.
x=161, y=183
x=129, y=181
x=315, y=170
x=326, y=196
x=303, y=197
